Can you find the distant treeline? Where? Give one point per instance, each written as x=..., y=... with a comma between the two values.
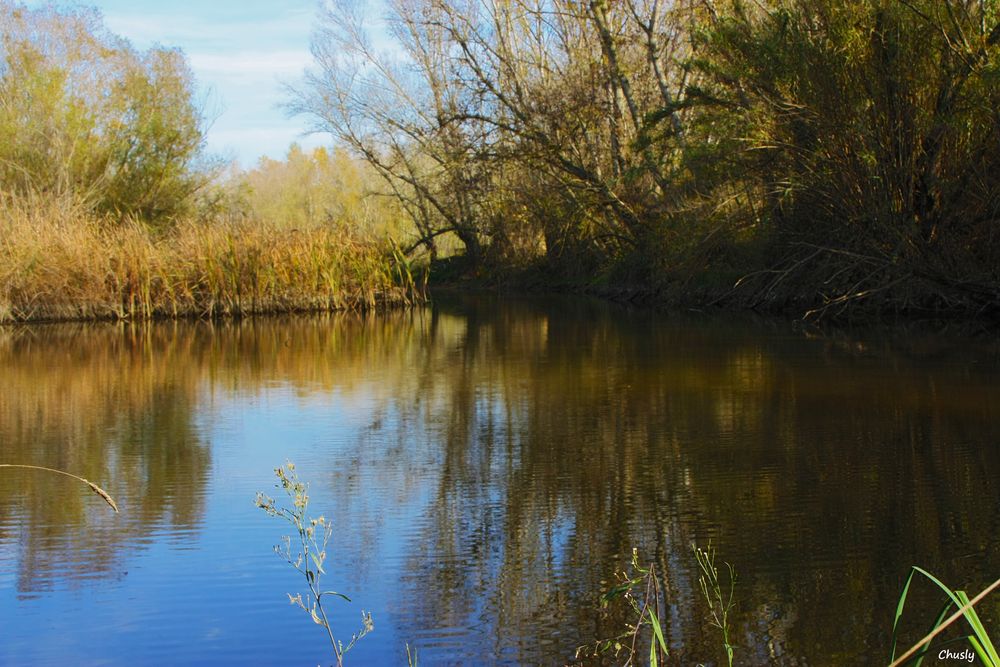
x=821, y=154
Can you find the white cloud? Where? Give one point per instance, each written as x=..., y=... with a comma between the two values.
x=243, y=61
x=256, y=64
x=181, y=29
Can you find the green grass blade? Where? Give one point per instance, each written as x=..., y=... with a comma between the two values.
x=963, y=611
x=945, y=608
x=899, y=613
x=981, y=642
x=937, y=582
x=657, y=631
x=960, y=599
x=978, y=648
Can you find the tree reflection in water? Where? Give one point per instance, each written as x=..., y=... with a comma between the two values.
x=508, y=455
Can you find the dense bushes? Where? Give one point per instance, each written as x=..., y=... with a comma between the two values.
x=875, y=138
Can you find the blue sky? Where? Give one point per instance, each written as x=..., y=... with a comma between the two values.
x=240, y=53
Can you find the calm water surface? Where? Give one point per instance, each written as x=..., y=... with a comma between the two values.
x=489, y=465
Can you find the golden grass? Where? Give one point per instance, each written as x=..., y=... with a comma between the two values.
x=93, y=487
x=58, y=262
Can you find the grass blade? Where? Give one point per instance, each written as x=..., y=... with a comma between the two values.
x=962, y=609
x=657, y=638
x=937, y=621
x=981, y=642
x=899, y=613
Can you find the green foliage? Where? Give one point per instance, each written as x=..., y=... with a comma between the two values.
x=82, y=113
x=979, y=639
x=309, y=554
x=640, y=589
x=720, y=604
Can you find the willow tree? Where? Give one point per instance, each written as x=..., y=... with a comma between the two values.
x=84, y=114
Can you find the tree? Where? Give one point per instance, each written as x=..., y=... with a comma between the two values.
x=395, y=111
x=840, y=148
x=313, y=189
x=871, y=131
x=82, y=113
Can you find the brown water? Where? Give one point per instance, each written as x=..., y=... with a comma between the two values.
x=489, y=465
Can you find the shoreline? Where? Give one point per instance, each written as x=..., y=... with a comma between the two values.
x=791, y=309
x=109, y=315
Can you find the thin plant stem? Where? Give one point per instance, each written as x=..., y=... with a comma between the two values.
x=93, y=487
x=311, y=555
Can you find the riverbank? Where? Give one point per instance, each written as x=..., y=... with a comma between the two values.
x=60, y=262
x=782, y=289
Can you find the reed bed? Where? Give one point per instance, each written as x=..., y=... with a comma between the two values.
x=60, y=262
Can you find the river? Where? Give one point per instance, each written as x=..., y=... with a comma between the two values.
x=488, y=465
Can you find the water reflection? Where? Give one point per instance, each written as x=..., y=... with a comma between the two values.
x=114, y=405
x=495, y=461
x=822, y=468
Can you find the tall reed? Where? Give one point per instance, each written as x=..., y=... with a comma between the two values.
x=59, y=262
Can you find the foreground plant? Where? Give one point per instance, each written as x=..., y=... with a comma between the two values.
x=719, y=603
x=312, y=537
x=640, y=589
x=978, y=639
x=93, y=487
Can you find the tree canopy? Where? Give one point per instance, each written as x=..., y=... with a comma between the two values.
x=83, y=113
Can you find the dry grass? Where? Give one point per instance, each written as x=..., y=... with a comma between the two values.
x=93, y=487
x=58, y=262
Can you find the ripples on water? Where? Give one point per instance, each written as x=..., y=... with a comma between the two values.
x=489, y=465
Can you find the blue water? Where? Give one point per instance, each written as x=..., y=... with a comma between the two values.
x=488, y=466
